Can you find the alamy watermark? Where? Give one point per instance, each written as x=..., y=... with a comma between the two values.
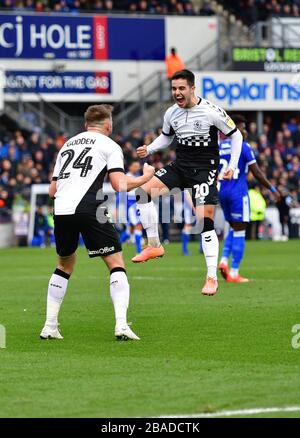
x=2, y=336
x=296, y=338
x=179, y=210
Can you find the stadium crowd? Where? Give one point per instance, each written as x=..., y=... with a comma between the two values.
x=176, y=7
x=251, y=11
x=27, y=158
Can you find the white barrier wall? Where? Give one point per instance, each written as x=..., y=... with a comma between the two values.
x=7, y=236
x=190, y=35
x=285, y=32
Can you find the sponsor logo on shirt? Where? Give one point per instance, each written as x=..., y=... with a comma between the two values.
x=101, y=251
x=197, y=125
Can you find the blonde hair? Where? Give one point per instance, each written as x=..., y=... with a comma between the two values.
x=96, y=114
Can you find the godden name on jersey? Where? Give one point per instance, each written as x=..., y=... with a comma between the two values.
x=80, y=168
x=196, y=133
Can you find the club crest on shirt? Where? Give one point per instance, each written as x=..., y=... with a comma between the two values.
x=197, y=125
x=229, y=122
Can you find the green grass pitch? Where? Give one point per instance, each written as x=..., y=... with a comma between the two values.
x=196, y=354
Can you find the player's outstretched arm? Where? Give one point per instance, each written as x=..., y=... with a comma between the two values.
x=260, y=176
x=160, y=143
x=125, y=183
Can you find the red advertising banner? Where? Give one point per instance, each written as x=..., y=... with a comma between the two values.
x=103, y=82
x=100, y=37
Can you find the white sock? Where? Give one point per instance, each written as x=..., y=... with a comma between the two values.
x=234, y=272
x=210, y=245
x=224, y=260
x=149, y=220
x=57, y=289
x=119, y=292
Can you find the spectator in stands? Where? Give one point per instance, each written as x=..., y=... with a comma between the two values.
x=292, y=125
x=60, y=140
x=287, y=10
x=172, y=6
x=40, y=226
x=179, y=9
x=7, y=4
x=6, y=171
x=5, y=205
x=135, y=138
x=173, y=63
x=132, y=7
x=18, y=5
x=252, y=132
x=98, y=7
x=206, y=9
x=279, y=146
x=13, y=156
x=128, y=151
x=295, y=10
x=143, y=6
x=189, y=9
x=29, y=5
x=263, y=142
x=108, y=6
x=257, y=212
x=284, y=206
x=251, y=11
x=34, y=142
x=74, y=6
x=39, y=7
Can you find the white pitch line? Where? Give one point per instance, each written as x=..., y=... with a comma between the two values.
x=253, y=411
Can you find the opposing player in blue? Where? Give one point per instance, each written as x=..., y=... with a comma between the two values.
x=235, y=202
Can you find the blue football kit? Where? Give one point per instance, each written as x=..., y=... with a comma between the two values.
x=233, y=194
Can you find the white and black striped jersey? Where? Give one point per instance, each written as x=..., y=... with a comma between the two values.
x=196, y=133
x=80, y=168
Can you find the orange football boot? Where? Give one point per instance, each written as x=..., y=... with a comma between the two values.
x=150, y=252
x=224, y=270
x=210, y=287
x=238, y=279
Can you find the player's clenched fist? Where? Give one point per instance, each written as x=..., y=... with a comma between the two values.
x=142, y=151
x=228, y=174
x=148, y=170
